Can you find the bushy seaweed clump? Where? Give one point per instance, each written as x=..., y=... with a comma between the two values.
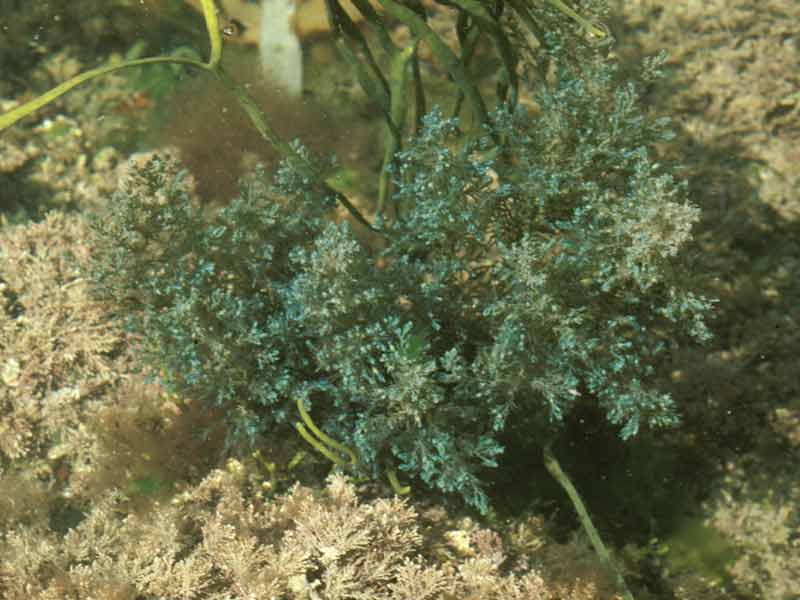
x=516, y=281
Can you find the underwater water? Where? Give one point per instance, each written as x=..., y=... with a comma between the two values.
x=100, y=464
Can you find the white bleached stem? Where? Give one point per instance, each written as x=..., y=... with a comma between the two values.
x=281, y=55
